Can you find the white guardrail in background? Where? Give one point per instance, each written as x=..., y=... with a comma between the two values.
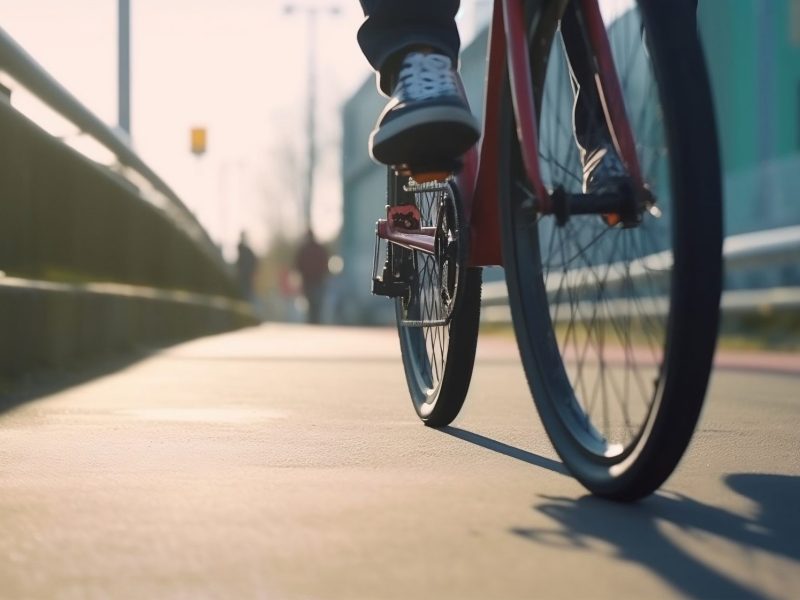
x=745, y=251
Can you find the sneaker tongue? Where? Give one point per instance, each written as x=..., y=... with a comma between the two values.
x=439, y=60
x=430, y=59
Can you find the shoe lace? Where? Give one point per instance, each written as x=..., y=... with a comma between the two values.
x=424, y=76
x=602, y=167
x=602, y=163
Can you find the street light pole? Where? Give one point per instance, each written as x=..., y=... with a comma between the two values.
x=124, y=67
x=311, y=13
x=311, y=131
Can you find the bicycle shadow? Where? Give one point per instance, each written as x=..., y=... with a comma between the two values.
x=635, y=530
x=507, y=450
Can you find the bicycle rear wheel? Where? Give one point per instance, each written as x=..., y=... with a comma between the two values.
x=438, y=319
x=617, y=323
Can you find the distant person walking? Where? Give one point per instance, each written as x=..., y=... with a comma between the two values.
x=311, y=262
x=246, y=264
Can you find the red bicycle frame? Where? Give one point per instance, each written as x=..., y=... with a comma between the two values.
x=478, y=181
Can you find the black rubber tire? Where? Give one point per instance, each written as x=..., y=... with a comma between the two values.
x=690, y=329
x=437, y=399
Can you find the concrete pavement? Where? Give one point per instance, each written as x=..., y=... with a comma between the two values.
x=287, y=462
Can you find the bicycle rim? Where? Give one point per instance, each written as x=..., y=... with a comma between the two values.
x=603, y=312
x=438, y=321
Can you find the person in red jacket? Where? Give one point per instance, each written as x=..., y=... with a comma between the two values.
x=311, y=261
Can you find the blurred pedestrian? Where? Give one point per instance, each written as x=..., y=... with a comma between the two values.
x=246, y=264
x=311, y=262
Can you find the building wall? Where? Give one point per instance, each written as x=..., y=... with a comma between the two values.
x=754, y=58
x=364, y=193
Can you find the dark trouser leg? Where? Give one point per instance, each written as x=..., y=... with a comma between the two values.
x=314, y=296
x=588, y=118
x=393, y=25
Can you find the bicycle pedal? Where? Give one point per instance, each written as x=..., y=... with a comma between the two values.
x=389, y=284
x=390, y=289
x=438, y=171
x=404, y=216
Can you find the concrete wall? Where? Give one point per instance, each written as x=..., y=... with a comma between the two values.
x=89, y=267
x=64, y=217
x=48, y=325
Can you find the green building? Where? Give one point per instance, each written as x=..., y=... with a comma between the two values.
x=753, y=53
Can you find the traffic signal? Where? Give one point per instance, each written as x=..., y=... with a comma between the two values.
x=198, y=140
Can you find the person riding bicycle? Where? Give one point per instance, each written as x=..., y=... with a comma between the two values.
x=413, y=45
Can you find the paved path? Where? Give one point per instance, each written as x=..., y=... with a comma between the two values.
x=286, y=462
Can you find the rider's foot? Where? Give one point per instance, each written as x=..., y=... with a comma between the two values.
x=603, y=171
x=428, y=120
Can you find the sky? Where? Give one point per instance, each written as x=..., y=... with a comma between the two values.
x=235, y=67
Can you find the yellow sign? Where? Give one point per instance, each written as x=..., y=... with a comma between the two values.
x=198, y=140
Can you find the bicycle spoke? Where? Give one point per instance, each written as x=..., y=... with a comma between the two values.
x=579, y=261
x=428, y=310
x=591, y=295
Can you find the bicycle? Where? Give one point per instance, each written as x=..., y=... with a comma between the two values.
x=614, y=297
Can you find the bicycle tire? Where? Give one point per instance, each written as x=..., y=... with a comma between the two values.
x=438, y=358
x=621, y=457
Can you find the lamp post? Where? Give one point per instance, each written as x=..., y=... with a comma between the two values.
x=311, y=12
x=124, y=67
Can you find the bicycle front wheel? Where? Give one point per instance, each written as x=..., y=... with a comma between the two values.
x=617, y=321
x=438, y=319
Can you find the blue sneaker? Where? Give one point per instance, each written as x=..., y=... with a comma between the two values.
x=427, y=122
x=603, y=171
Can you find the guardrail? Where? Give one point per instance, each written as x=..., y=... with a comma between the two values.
x=27, y=72
x=96, y=258
x=744, y=251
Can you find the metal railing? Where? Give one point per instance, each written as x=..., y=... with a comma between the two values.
x=28, y=73
x=744, y=251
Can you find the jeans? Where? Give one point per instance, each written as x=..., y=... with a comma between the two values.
x=393, y=25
